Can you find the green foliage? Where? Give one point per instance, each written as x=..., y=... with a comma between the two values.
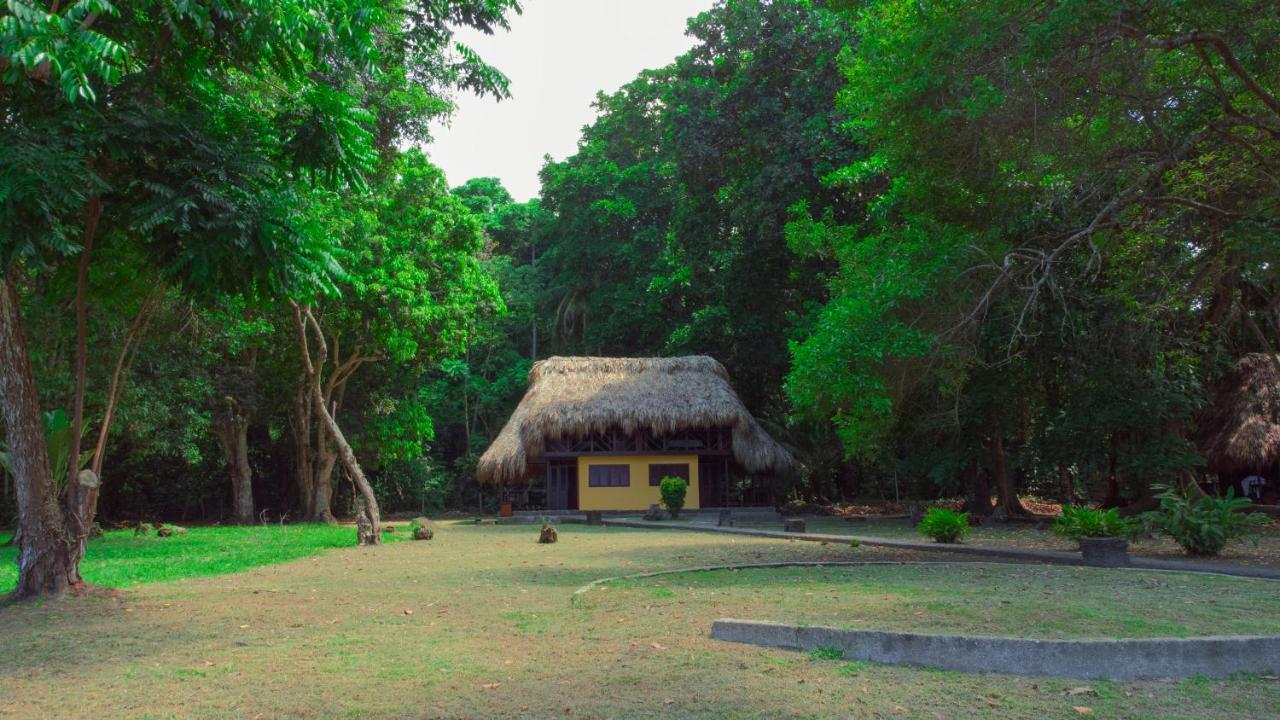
x=825, y=652
x=1077, y=521
x=1203, y=524
x=1045, y=204
x=943, y=525
x=57, y=438
x=672, y=490
x=675, y=204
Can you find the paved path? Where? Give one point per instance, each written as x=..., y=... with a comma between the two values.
x=1060, y=557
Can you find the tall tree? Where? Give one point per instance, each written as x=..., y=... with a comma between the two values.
x=190, y=129
x=1064, y=201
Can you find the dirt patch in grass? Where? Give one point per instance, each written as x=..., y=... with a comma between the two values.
x=478, y=623
x=1035, y=601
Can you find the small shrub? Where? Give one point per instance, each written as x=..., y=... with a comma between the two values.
x=943, y=525
x=855, y=542
x=1204, y=525
x=826, y=652
x=1077, y=522
x=420, y=529
x=672, y=490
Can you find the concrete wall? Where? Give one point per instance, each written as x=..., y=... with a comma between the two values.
x=639, y=495
x=1112, y=659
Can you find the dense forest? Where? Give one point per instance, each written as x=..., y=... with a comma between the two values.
x=965, y=248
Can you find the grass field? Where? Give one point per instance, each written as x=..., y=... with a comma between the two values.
x=1266, y=553
x=1034, y=601
x=478, y=623
x=120, y=558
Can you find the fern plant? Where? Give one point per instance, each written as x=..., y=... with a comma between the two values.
x=943, y=525
x=1078, y=522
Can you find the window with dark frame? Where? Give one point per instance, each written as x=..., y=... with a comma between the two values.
x=608, y=475
x=657, y=471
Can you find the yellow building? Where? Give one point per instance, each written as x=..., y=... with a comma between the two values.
x=600, y=433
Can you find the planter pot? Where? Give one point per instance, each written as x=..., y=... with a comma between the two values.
x=1105, y=552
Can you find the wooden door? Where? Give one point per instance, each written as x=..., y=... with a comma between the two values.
x=559, y=481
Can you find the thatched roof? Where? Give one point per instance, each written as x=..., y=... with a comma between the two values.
x=1240, y=431
x=571, y=397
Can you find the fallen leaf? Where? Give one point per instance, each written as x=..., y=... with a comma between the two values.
x=244, y=627
x=1082, y=710
x=657, y=646
x=407, y=611
x=492, y=686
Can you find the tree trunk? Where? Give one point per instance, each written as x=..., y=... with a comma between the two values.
x=322, y=483
x=368, y=518
x=233, y=436
x=1067, y=483
x=979, y=491
x=47, y=564
x=1006, y=497
x=300, y=422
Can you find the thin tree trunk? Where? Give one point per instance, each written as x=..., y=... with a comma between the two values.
x=233, y=436
x=1006, y=497
x=979, y=491
x=46, y=563
x=84, y=501
x=79, y=497
x=322, y=485
x=124, y=362
x=368, y=518
x=303, y=438
x=1068, y=484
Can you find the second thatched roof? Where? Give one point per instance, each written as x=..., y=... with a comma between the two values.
x=1240, y=431
x=576, y=396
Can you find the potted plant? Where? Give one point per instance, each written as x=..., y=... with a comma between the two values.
x=1103, y=535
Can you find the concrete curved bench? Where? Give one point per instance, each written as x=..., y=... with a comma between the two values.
x=1110, y=659
x=1128, y=659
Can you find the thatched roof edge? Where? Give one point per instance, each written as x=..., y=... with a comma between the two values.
x=575, y=396
x=1240, y=430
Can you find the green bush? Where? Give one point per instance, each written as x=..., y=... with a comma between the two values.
x=1077, y=522
x=943, y=525
x=1204, y=525
x=673, y=490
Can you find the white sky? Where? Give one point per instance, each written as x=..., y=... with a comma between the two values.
x=558, y=54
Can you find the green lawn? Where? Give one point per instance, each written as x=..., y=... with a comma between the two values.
x=1036, y=601
x=121, y=559
x=479, y=623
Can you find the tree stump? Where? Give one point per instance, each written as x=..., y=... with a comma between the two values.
x=595, y=517
x=725, y=519
x=422, y=529
x=794, y=525
x=548, y=535
x=655, y=513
